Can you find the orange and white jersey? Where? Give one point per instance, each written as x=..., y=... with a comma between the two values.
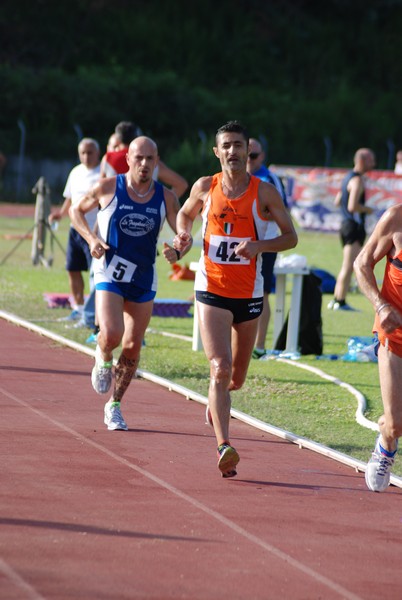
x=392, y=292
x=226, y=223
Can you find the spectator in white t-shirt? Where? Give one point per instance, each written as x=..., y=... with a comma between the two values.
x=81, y=179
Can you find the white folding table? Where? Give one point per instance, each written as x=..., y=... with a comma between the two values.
x=292, y=335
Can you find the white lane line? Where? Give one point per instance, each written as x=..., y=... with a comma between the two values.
x=344, y=593
x=19, y=582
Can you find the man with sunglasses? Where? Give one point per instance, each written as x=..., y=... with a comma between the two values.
x=256, y=167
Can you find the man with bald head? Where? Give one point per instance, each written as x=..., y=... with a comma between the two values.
x=133, y=208
x=114, y=161
x=351, y=200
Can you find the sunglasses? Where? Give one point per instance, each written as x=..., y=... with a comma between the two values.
x=253, y=155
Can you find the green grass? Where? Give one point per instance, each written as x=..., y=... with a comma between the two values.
x=283, y=395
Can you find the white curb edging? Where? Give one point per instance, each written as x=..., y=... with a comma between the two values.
x=361, y=400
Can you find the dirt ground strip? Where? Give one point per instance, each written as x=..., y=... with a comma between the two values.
x=89, y=513
x=10, y=210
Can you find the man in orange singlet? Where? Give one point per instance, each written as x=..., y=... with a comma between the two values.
x=236, y=209
x=385, y=241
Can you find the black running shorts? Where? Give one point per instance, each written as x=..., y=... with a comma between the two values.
x=352, y=232
x=243, y=309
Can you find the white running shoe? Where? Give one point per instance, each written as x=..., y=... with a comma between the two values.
x=113, y=417
x=75, y=315
x=378, y=470
x=80, y=324
x=101, y=377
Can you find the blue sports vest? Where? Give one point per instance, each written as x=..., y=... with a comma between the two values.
x=131, y=229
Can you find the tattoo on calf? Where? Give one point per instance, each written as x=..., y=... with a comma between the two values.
x=124, y=372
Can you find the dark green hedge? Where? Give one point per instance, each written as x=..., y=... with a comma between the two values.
x=294, y=72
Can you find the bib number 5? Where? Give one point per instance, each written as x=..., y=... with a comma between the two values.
x=120, y=269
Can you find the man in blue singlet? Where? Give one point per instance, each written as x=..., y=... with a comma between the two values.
x=133, y=208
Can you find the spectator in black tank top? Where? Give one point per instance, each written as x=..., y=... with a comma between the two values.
x=351, y=201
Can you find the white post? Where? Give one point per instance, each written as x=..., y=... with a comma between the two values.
x=197, y=343
x=292, y=337
x=292, y=333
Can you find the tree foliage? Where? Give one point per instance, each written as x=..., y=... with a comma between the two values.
x=295, y=71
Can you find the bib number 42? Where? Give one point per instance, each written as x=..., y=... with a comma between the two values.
x=222, y=250
x=226, y=252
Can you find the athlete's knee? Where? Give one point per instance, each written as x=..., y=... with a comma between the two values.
x=239, y=374
x=220, y=370
x=237, y=382
x=109, y=339
x=132, y=347
x=233, y=386
x=132, y=355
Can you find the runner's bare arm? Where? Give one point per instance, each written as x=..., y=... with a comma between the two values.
x=172, y=209
x=99, y=196
x=188, y=212
x=271, y=205
x=169, y=177
x=385, y=239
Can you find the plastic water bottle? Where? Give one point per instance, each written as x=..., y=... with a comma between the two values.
x=360, y=349
x=362, y=357
x=350, y=357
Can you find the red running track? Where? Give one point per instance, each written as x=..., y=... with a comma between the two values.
x=93, y=514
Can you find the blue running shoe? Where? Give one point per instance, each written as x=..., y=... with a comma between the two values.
x=92, y=339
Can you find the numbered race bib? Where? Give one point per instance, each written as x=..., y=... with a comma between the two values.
x=222, y=250
x=120, y=269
